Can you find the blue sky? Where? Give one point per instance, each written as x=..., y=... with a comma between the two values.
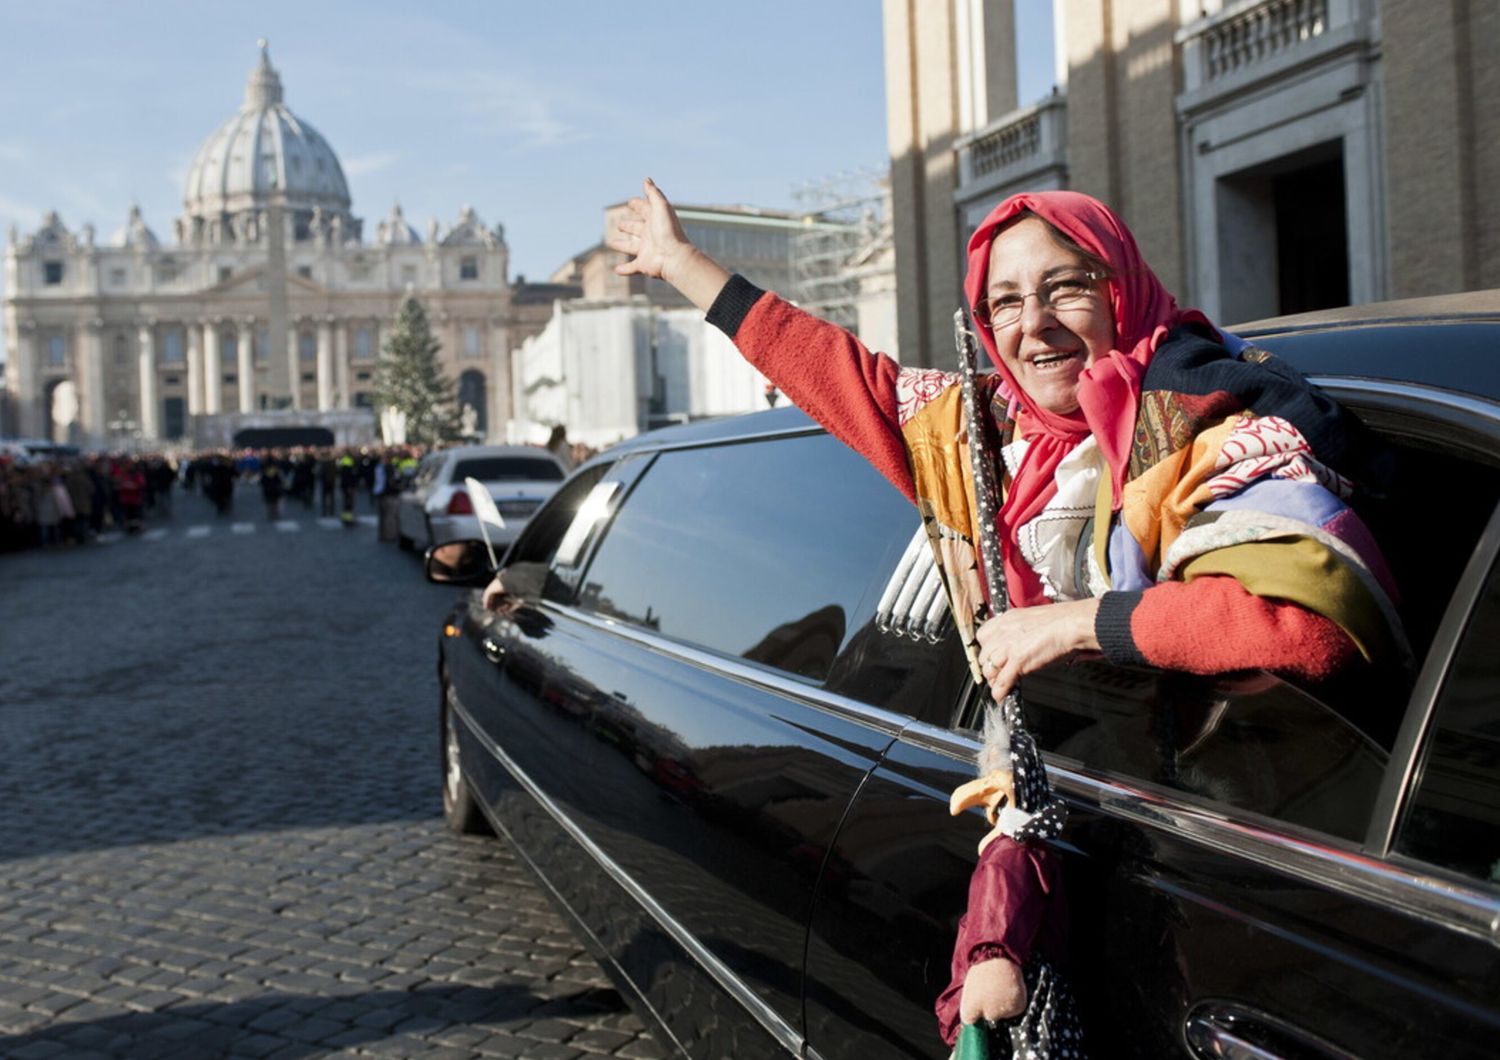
x=538, y=114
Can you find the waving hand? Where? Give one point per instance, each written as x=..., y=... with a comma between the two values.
x=650, y=233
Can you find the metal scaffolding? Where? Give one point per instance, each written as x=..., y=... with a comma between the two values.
x=844, y=219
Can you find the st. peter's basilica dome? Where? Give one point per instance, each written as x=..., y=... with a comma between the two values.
x=261, y=151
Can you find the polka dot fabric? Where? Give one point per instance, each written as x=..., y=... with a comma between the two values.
x=1049, y=1029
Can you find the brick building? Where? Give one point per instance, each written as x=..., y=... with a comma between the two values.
x=1271, y=155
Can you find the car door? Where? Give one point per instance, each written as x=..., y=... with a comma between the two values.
x=672, y=698
x=1228, y=854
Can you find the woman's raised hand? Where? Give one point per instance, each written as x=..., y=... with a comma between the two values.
x=651, y=235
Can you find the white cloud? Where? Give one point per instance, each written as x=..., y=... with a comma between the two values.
x=373, y=162
x=505, y=104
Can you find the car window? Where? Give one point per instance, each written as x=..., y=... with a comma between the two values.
x=1249, y=741
x=428, y=467
x=772, y=551
x=1453, y=816
x=503, y=468
x=539, y=541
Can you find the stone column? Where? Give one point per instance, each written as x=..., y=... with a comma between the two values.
x=244, y=350
x=24, y=371
x=213, y=367
x=294, y=360
x=325, y=363
x=146, y=360
x=194, y=331
x=501, y=410
x=94, y=413
x=342, y=375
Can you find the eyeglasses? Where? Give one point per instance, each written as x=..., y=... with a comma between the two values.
x=1065, y=291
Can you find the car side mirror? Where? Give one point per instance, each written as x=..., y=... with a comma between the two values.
x=459, y=563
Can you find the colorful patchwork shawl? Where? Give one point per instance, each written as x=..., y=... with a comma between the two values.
x=1237, y=466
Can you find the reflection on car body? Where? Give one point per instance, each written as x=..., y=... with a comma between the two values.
x=724, y=727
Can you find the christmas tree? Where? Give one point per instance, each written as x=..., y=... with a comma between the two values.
x=412, y=382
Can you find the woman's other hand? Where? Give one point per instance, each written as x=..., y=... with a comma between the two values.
x=496, y=598
x=650, y=233
x=1025, y=639
x=993, y=990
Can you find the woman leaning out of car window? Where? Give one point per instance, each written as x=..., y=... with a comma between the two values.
x=1149, y=474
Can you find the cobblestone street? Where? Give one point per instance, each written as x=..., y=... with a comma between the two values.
x=220, y=821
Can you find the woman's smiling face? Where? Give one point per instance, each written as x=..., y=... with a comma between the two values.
x=1048, y=347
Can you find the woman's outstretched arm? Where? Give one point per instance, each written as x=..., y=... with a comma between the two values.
x=823, y=369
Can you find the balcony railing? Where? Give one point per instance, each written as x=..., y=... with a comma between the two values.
x=1021, y=143
x=1261, y=32
x=1250, y=33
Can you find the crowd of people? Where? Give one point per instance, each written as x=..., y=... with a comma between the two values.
x=68, y=501
x=332, y=478
x=65, y=501
x=72, y=500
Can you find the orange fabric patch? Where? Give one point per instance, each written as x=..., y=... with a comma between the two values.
x=1158, y=504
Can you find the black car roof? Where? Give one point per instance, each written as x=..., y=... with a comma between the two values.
x=1450, y=341
x=719, y=429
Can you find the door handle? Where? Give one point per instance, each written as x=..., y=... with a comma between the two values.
x=1212, y=1041
x=494, y=651
x=1220, y=1031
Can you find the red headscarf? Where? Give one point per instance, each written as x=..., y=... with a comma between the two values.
x=1108, y=391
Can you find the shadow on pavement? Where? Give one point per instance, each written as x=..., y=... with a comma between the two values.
x=297, y=1025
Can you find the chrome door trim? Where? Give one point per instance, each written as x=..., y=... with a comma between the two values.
x=736, y=987
x=1449, y=903
x=1352, y=386
x=1434, y=899
x=885, y=721
x=1475, y=413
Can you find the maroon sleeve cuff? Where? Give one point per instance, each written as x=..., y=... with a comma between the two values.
x=1112, y=628
x=733, y=304
x=989, y=951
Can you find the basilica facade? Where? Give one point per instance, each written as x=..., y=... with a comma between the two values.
x=263, y=311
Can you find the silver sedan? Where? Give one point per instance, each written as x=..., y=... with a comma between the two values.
x=436, y=507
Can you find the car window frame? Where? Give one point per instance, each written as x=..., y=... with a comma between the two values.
x=625, y=472
x=577, y=575
x=1469, y=427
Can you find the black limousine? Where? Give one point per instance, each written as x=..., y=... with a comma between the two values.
x=723, y=722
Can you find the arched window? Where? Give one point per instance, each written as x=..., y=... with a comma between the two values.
x=307, y=346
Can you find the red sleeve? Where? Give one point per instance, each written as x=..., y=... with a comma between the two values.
x=1008, y=896
x=1230, y=629
x=824, y=370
